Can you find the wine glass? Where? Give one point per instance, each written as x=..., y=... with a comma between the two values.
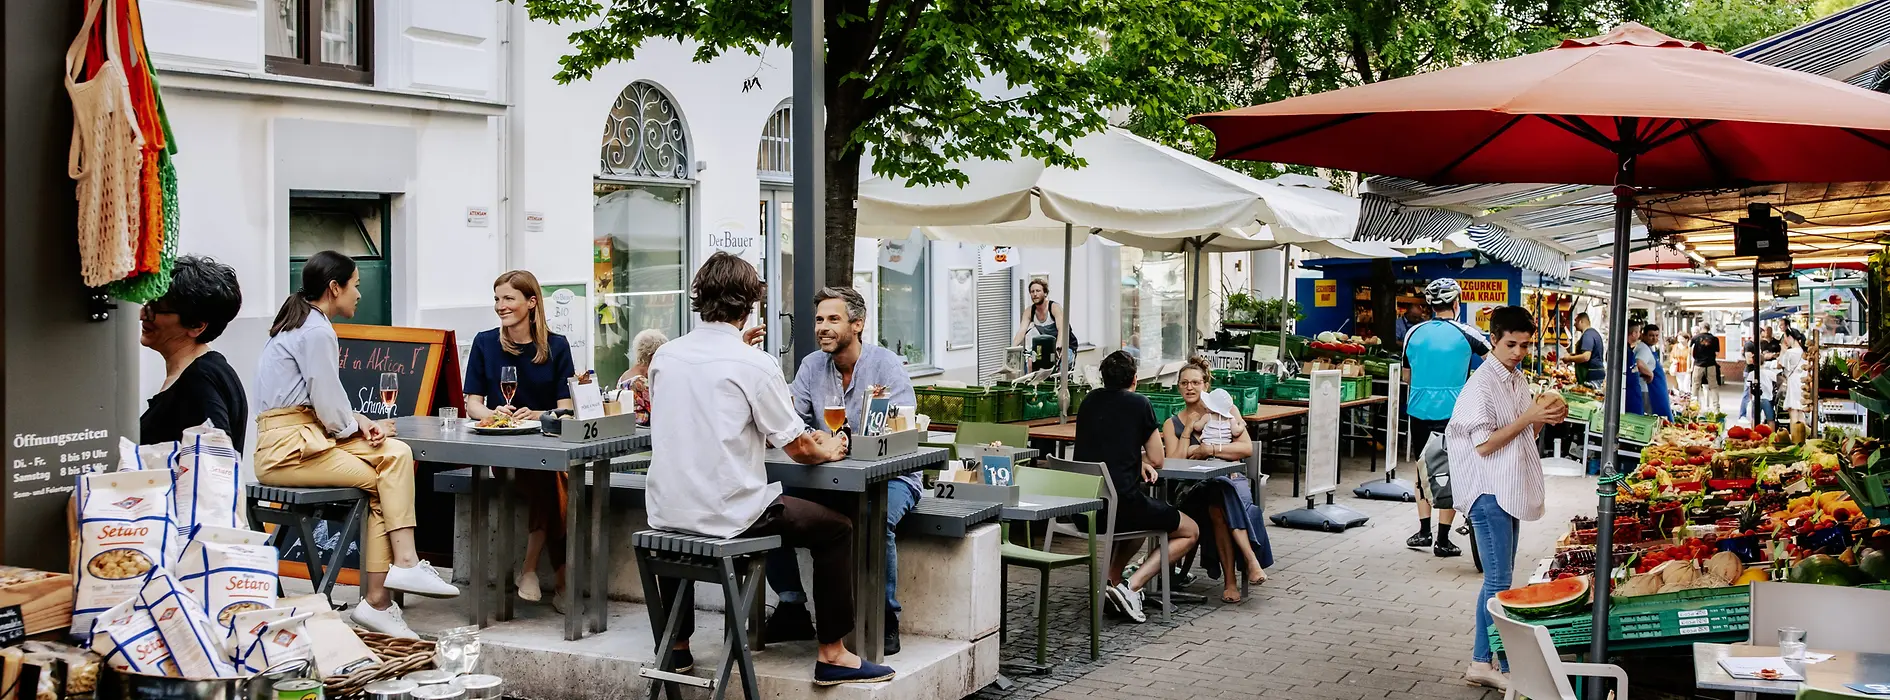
x=390, y=388
x=508, y=382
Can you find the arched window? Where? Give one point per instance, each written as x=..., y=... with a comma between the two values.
x=643, y=136
x=774, y=159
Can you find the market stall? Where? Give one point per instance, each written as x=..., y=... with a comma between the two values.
x=1366, y=298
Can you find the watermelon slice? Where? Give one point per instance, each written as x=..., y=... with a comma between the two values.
x=1551, y=599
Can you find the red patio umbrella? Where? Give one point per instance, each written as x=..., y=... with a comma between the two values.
x=1633, y=108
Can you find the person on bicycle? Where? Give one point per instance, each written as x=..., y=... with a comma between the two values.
x=1440, y=353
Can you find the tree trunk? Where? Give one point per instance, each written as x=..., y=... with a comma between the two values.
x=843, y=187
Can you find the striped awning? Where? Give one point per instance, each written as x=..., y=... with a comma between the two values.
x=1497, y=242
x=1383, y=219
x=1851, y=45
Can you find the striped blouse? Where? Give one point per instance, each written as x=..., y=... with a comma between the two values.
x=1494, y=397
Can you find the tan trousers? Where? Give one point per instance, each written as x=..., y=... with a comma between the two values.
x=294, y=450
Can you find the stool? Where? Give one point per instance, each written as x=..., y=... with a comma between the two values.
x=736, y=565
x=294, y=512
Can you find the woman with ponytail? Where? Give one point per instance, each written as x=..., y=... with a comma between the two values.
x=542, y=362
x=309, y=435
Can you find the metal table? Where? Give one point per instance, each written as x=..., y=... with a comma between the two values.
x=504, y=453
x=867, y=478
x=1017, y=453
x=1829, y=676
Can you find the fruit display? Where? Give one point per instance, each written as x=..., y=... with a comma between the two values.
x=1342, y=344
x=1543, y=600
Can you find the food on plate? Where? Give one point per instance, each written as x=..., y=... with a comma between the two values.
x=1768, y=674
x=1550, y=599
x=498, y=421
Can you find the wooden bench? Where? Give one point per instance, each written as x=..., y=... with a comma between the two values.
x=295, y=512
x=937, y=517
x=736, y=565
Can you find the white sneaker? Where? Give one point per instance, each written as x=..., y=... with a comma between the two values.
x=390, y=622
x=420, y=579
x=528, y=587
x=1486, y=675
x=1130, y=601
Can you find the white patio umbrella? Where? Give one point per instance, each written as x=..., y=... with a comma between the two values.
x=1130, y=190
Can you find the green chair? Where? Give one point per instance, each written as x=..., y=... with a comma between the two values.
x=1045, y=482
x=1110, y=534
x=1809, y=693
x=1011, y=434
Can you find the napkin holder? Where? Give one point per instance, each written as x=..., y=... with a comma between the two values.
x=877, y=447
x=572, y=429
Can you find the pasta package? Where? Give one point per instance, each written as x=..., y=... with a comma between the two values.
x=124, y=533
x=127, y=638
x=135, y=457
x=266, y=638
x=187, y=632
x=230, y=572
x=206, y=474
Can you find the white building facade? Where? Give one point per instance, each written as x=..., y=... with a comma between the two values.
x=428, y=139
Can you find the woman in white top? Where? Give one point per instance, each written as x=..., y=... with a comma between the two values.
x=308, y=435
x=1793, y=366
x=1208, y=427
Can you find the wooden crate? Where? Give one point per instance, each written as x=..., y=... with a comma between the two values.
x=45, y=604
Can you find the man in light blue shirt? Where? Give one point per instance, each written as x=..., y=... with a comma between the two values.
x=1441, y=352
x=845, y=369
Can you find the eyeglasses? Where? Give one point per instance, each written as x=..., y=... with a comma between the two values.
x=149, y=312
x=1193, y=382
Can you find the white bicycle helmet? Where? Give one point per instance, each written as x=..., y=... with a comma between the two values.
x=1442, y=292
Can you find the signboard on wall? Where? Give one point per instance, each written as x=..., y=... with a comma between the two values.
x=961, y=307
x=902, y=256
x=568, y=313
x=993, y=258
x=1480, y=298
x=1325, y=293
x=734, y=238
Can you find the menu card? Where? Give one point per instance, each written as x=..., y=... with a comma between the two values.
x=590, y=401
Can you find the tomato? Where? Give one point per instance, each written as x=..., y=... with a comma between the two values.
x=1762, y=430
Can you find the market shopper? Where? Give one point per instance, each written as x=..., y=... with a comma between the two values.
x=1040, y=323
x=1705, y=347
x=1651, y=373
x=636, y=380
x=199, y=385
x=1441, y=353
x=309, y=435
x=1498, y=470
x=1794, y=373
x=1759, y=355
x=541, y=366
x=1591, y=368
x=723, y=404
x=1116, y=426
x=848, y=369
x=1209, y=427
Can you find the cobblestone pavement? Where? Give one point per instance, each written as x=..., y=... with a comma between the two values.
x=1344, y=617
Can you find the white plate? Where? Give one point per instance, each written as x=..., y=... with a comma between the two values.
x=520, y=428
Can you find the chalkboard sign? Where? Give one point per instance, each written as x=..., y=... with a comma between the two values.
x=418, y=356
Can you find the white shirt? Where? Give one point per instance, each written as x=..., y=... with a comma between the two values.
x=1494, y=397
x=718, y=404
x=302, y=367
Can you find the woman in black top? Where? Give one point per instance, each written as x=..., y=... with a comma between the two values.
x=198, y=383
x=1117, y=427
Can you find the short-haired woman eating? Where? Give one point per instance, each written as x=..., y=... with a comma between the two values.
x=540, y=361
x=309, y=435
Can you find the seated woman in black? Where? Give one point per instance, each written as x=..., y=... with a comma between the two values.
x=542, y=360
x=199, y=385
x=1117, y=427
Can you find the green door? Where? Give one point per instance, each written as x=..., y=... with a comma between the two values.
x=356, y=225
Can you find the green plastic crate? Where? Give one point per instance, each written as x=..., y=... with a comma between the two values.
x=1226, y=378
x=1246, y=398
x=1298, y=389
x=1355, y=388
x=950, y=405
x=1634, y=427
x=1165, y=405
x=1583, y=410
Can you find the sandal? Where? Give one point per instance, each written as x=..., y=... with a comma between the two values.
x=1231, y=596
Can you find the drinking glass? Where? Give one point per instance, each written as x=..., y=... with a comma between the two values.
x=1791, y=643
x=508, y=382
x=449, y=418
x=835, y=414
x=390, y=388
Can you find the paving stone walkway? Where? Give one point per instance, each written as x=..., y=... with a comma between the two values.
x=1345, y=616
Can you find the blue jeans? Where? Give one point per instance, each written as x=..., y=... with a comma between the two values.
x=1495, y=531
x=784, y=568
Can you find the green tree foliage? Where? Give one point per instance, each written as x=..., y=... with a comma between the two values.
x=923, y=83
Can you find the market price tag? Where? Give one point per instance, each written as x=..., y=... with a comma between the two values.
x=1700, y=629
x=1684, y=614
x=12, y=625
